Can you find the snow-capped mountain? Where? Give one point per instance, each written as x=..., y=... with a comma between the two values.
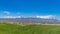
x=37, y=20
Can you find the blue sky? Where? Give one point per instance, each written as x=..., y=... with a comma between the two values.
x=29, y=7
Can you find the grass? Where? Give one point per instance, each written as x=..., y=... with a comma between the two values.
x=30, y=29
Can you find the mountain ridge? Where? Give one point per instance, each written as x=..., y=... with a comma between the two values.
x=37, y=20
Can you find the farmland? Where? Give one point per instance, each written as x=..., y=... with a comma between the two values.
x=6, y=28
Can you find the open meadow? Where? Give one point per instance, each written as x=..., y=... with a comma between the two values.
x=6, y=28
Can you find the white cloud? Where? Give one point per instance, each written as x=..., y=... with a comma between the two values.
x=46, y=17
x=11, y=17
x=6, y=12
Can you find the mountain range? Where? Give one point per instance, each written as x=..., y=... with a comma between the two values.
x=37, y=20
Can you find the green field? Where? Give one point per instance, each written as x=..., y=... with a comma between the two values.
x=30, y=29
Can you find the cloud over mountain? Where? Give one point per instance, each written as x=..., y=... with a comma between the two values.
x=46, y=17
x=11, y=17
